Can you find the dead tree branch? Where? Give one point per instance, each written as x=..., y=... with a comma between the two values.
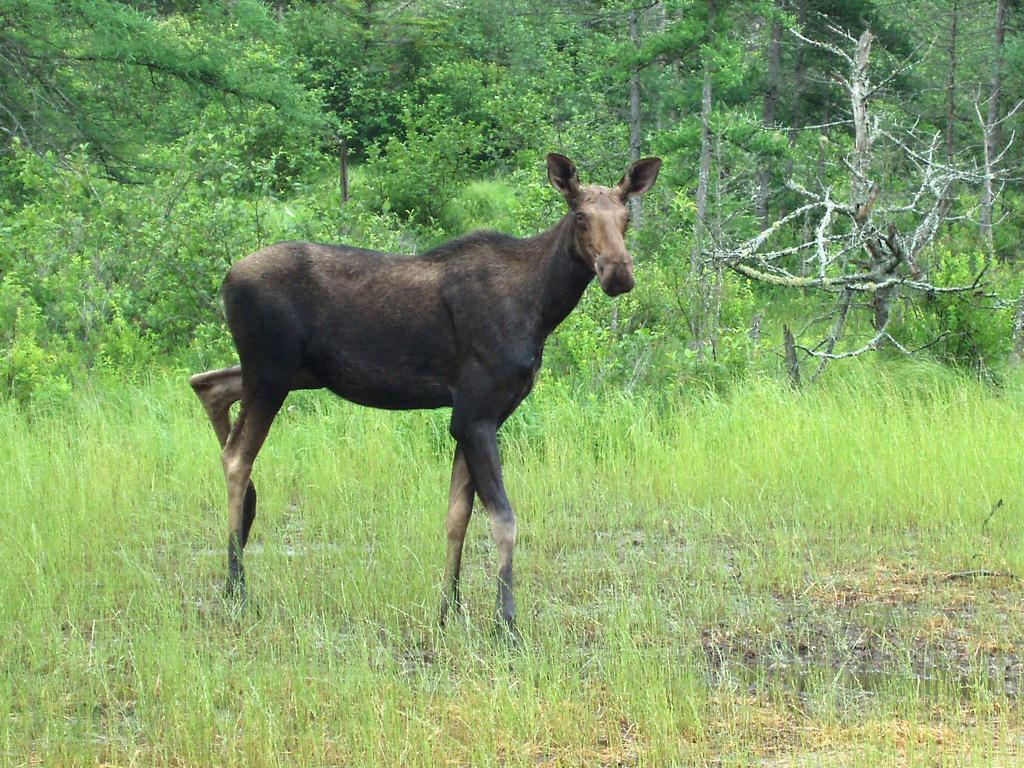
x=856, y=247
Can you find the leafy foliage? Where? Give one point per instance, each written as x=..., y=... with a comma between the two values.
x=146, y=145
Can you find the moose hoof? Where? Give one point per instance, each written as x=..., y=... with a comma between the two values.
x=234, y=589
x=508, y=631
x=449, y=608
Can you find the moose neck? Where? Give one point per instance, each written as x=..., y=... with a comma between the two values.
x=563, y=275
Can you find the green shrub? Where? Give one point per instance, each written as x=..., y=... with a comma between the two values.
x=27, y=366
x=973, y=328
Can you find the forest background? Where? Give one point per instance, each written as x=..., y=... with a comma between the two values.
x=145, y=146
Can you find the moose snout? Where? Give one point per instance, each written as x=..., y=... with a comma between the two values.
x=616, y=276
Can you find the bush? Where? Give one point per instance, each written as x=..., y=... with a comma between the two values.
x=27, y=367
x=971, y=329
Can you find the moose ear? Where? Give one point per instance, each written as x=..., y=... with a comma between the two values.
x=639, y=178
x=562, y=175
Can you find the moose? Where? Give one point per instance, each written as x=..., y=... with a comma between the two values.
x=460, y=326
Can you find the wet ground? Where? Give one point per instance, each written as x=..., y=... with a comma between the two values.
x=941, y=633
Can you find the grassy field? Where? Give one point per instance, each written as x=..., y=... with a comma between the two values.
x=764, y=578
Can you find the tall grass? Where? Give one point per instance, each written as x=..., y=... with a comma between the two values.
x=676, y=554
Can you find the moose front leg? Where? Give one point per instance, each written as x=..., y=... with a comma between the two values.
x=460, y=506
x=244, y=442
x=479, y=442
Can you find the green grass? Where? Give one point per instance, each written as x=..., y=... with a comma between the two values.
x=758, y=578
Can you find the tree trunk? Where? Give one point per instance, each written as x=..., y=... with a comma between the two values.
x=997, y=69
x=826, y=118
x=1017, y=355
x=771, y=96
x=862, y=188
x=343, y=170
x=697, y=273
x=713, y=323
x=792, y=361
x=881, y=304
x=991, y=129
x=954, y=24
x=797, y=118
x=860, y=88
x=635, y=204
x=366, y=22
x=660, y=22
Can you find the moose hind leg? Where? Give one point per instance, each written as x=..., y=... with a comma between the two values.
x=218, y=391
x=460, y=507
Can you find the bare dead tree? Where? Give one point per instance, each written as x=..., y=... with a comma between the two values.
x=854, y=248
x=992, y=160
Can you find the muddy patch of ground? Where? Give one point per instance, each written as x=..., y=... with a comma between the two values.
x=942, y=632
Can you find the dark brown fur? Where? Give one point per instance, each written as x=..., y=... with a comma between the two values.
x=461, y=326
